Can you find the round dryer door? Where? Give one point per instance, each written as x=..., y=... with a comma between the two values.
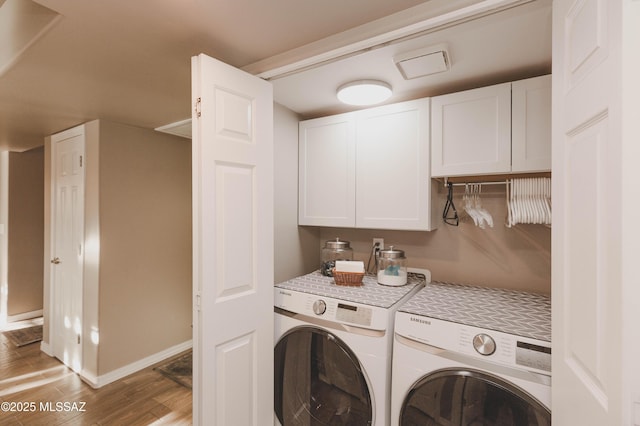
x=470, y=398
x=319, y=381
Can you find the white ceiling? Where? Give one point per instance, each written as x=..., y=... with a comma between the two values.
x=509, y=45
x=129, y=61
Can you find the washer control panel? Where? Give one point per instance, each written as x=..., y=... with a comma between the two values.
x=498, y=347
x=330, y=309
x=359, y=315
x=533, y=356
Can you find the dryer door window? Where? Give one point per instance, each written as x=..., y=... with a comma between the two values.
x=319, y=381
x=470, y=398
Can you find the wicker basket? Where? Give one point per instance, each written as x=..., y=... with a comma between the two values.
x=353, y=279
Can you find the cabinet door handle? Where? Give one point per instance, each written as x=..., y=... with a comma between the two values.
x=55, y=260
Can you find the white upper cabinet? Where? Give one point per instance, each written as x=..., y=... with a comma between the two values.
x=326, y=179
x=367, y=169
x=471, y=132
x=531, y=125
x=505, y=128
x=392, y=167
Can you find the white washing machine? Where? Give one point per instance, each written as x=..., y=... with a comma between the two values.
x=466, y=355
x=333, y=349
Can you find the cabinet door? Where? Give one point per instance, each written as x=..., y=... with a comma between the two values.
x=531, y=125
x=471, y=132
x=327, y=171
x=392, y=167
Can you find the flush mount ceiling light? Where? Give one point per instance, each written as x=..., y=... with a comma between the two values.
x=364, y=92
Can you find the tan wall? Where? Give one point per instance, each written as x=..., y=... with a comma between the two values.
x=25, y=231
x=145, y=282
x=294, y=246
x=518, y=257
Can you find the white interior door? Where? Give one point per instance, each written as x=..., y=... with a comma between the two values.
x=232, y=245
x=68, y=246
x=593, y=375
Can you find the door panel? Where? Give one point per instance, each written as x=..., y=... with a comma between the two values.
x=585, y=312
x=235, y=191
x=238, y=382
x=233, y=116
x=232, y=245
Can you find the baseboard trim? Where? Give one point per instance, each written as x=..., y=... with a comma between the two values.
x=99, y=381
x=24, y=316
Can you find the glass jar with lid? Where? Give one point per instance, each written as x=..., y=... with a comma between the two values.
x=392, y=267
x=334, y=250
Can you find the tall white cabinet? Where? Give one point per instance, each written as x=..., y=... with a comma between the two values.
x=367, y=169
x=504, y=128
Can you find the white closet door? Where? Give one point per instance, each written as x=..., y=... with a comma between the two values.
x=67, y=246
x=594, y=281
x=232, y=245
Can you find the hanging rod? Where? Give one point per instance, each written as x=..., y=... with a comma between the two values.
x=446, y=183
x=490, y=179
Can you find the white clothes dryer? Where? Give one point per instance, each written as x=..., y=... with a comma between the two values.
x=466, y=355
x=333, y=350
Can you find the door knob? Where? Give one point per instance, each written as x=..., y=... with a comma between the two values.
x=55, y=260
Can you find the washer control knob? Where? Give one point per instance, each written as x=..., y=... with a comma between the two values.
x=484, y=344
x=319, y=307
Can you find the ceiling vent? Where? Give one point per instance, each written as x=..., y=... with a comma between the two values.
x=423, y=62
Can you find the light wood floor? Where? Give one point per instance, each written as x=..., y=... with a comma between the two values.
x=28, y=375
